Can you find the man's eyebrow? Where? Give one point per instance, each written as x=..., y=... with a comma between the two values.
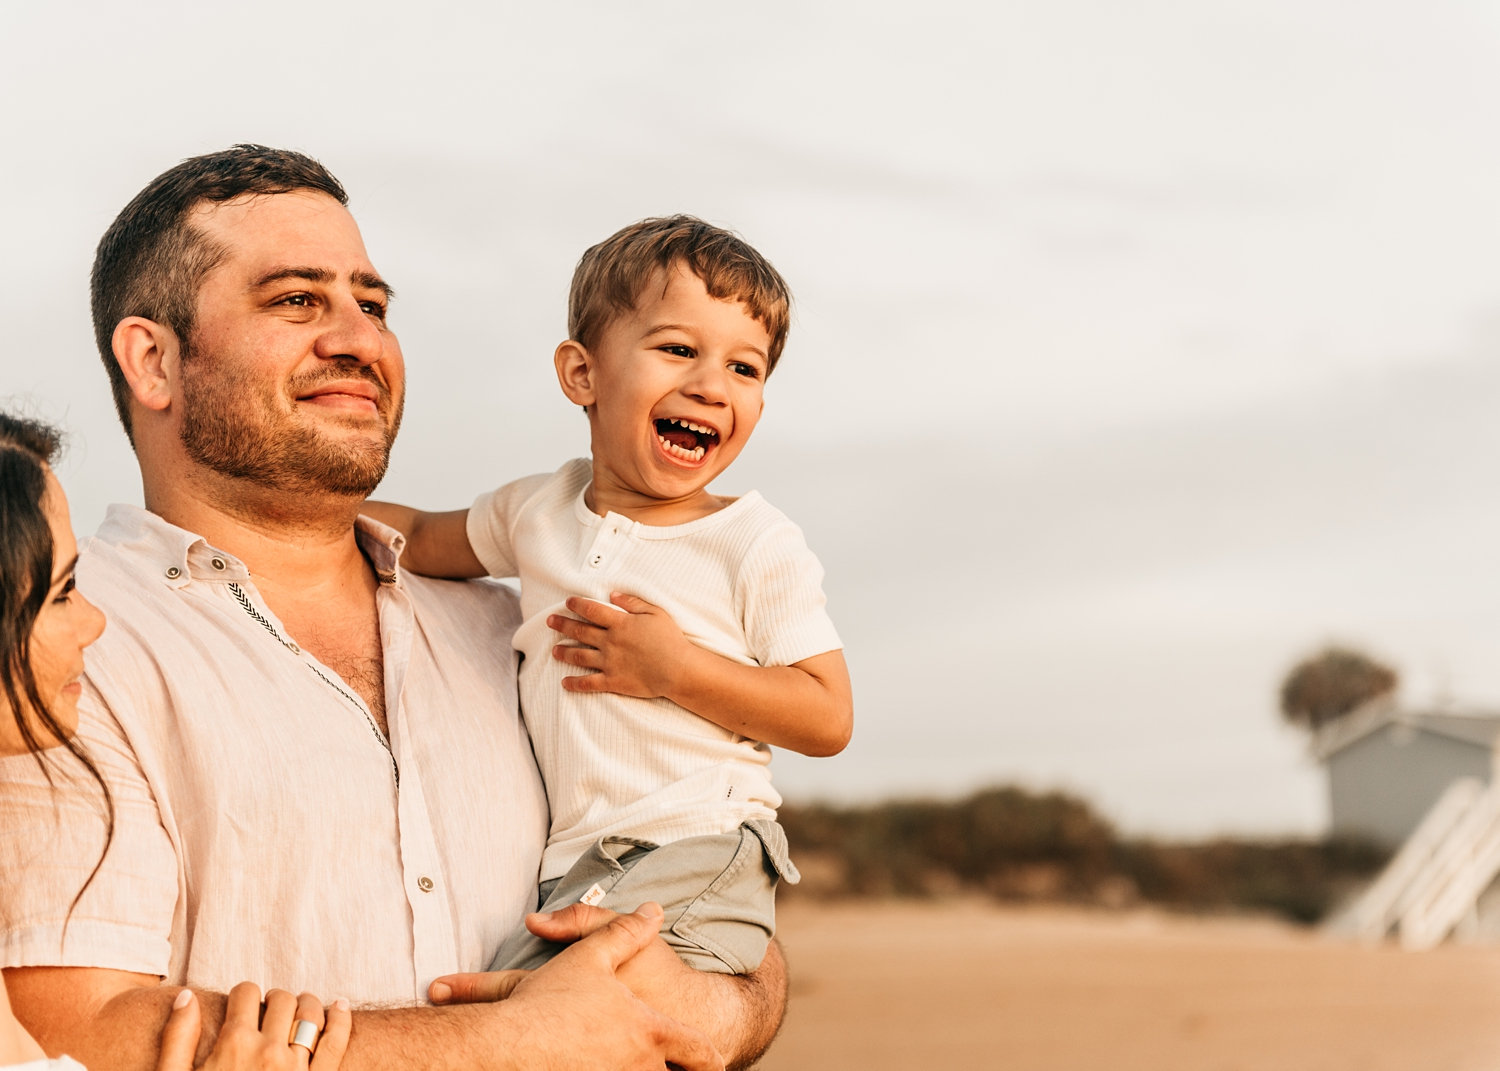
x=367, y=280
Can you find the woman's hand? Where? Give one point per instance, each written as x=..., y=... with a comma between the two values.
x=250, y=1041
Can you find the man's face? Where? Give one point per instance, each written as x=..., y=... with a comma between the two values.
x=292, y=379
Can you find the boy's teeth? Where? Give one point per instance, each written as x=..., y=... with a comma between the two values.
x=699, y=428
x=695, y=454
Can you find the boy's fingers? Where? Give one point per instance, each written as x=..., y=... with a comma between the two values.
x=179, y=1038
x=601, y=614
x=631, y=604
x=479, y=987
x=335, y=1037
x=587, y=657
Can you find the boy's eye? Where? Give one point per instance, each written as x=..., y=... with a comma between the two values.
x=677, y=350
x=741, y=368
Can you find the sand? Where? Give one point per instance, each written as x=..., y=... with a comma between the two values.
x=971, y=985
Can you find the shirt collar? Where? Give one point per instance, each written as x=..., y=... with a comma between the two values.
x=180, y=556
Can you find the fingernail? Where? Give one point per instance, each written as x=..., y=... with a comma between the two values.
x=439, y=992
x=182, y=1000
x=342, y=1004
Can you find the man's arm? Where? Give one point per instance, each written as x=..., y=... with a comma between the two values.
x=807, y=707
x=573, y=1012
x=740, y=1013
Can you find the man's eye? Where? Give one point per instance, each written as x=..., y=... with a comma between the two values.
x=373, y=308
x=300, y=301
x=677, y=350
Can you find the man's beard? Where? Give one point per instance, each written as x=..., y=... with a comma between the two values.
x=231, y=424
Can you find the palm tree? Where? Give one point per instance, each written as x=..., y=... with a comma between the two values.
x=1331, y=683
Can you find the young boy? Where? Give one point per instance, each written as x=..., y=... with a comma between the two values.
x=699, y=620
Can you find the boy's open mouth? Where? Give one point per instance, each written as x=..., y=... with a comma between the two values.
x=684, y=439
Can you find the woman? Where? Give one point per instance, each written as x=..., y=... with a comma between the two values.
x=45, y=623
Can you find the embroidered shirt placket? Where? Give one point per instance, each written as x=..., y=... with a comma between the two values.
x=265, y=623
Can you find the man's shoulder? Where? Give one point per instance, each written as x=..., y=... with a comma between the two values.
x=482, y=603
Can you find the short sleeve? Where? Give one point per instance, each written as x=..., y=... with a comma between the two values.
x=492, y=523
x=52, y=836
x=780, y=587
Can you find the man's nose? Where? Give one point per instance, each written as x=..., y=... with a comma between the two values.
x=351, y=334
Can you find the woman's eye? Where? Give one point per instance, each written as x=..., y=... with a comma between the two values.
x=70, y=585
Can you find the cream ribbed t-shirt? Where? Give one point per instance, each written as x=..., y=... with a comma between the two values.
x=740, y=582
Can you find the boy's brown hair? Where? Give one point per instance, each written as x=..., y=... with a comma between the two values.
x=611, y=275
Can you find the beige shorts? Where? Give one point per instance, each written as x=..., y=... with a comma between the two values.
x=718, y=893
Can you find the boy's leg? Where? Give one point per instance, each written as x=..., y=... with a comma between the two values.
x=717, y=892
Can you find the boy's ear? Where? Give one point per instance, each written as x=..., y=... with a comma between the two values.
x=575, y=372
x=147, y=353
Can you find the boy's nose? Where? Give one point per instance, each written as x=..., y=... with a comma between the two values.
x=706, y=383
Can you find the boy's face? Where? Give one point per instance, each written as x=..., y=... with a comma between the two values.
x=674, y=389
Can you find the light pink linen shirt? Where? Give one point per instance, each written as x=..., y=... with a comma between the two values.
x=264, y=829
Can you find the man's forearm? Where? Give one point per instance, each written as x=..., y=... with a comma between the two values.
x=740, y=1013
x=759, y=1003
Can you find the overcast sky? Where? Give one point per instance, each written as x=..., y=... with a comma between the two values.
x=1139, y=348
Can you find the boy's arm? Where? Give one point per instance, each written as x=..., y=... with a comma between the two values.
x=807, y=706
x=437, y=544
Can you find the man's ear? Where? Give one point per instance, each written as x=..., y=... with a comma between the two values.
x=575, y=372
x=147, y=353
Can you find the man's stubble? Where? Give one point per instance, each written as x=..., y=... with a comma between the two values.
x=233, y=425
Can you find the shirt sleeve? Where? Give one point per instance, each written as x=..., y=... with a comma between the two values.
x=780, y=586
x=52, y=838
x=491, y=524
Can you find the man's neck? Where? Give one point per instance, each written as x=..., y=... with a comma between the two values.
x=287, y=540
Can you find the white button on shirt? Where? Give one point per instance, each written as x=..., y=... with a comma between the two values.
x=264, y=828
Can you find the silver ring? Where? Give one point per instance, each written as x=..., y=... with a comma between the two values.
x=305, y=1033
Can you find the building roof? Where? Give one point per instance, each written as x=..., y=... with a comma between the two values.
x=1469, y=727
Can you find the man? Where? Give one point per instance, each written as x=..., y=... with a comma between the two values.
x=320, y=779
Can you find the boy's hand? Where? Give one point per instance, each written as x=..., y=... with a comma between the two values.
x=634, y=652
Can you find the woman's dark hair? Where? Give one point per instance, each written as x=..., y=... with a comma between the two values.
x=27, y=447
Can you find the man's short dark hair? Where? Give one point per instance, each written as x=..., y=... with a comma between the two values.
x=152, y=260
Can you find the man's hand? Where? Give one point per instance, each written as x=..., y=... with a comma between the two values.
x=633, y=646
x=740, y=1013
x=574, y=1012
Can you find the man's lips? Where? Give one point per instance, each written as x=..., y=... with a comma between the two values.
x=355, y=395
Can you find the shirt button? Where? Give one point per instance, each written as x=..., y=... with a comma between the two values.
x=596, y=559
x=217, y=563
x=173, y=572
x=425, y=884
x=293, y=648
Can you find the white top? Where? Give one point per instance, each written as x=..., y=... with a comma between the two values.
x=259, y=830
x=740, y=582
x=62, y=1063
